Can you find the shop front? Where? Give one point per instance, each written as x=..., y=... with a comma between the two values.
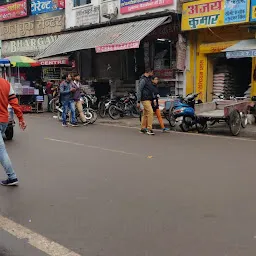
x=212, y=70
x=117, y=55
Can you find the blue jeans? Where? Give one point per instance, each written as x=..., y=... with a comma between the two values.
x=4, y=158
x=70, y=104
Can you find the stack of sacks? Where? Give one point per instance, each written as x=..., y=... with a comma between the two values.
x=223, y=82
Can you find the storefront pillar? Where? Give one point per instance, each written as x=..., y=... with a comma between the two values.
x=201, y=75
x=191, y=60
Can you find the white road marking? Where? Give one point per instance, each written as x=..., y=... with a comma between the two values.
x=39, y=242
x=95, y=147
x=187, y=133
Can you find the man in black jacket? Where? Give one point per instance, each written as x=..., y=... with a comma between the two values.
x=145, y=96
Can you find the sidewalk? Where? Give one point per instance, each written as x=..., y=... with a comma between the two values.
x=217, y=129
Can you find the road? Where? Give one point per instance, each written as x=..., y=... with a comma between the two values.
x=110, y=191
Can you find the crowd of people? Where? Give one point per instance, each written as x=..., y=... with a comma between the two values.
x=148, y=95
x=69, y=92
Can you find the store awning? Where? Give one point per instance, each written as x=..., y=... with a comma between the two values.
x=242, y=49
x=105, y=39
x=57, y=60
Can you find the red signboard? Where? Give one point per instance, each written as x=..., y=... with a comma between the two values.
x=54, y=62
x=129, y=6
x=61, y=4
x=117, y=47
x=164, y=73
x=13, y=10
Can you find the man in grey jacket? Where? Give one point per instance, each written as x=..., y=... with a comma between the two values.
x=77, y=95
x=145, y=96
x=67, y=101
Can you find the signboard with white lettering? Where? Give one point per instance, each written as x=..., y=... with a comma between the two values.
x=47, y=23
x=87, y=15
x=31, y=46
x=44, y=6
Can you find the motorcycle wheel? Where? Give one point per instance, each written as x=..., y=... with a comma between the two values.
x=184, y=125
x=102, y=109
x=172, y=119
x=113, y=112
x=94, y=116
x=88, y=114
x=59, y=116
x=135, y=112
x=201, y=126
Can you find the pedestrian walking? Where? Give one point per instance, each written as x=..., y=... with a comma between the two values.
x=67, y=101
x=77, y=96
x=7, y=96
x=145, y=96
x=155, y=104
x=49, y=92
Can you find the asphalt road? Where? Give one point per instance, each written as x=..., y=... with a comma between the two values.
x=110, y=191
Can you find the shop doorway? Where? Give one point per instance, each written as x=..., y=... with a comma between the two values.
x=231, y=77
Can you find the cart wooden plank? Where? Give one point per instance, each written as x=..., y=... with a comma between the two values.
x=217, y=113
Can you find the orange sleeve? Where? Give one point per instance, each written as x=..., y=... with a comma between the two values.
x=13, y=101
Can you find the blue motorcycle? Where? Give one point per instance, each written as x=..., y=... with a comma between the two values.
x=183, y=113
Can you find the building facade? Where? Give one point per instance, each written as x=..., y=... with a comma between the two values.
x=113, y=41
x=28, y=27
x=221, y=47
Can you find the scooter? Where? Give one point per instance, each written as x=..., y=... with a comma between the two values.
x=183, y=113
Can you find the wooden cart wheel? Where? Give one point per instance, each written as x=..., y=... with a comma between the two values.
x=235, y=122
x=244, y=119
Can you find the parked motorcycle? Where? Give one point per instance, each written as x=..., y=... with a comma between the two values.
x=90, y=114
x=124, y=106
x=183, y=113
x=104, y=105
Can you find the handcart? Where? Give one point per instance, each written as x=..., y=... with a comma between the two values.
x=231, y=112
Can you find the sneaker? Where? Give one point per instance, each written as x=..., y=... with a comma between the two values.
x=144, y=131
x=85, y=123
x=9, y=182
x=74, y=124
x=165, y=130
x=150, y=132
x=64, y=125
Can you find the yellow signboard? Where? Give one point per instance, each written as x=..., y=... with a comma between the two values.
x=213, y=13
x=215, y=47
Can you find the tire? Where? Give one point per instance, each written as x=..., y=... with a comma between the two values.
x=201, y=126
x=211, y=123
x=9, y=133
x=59, y=116
x=102, y=109
x=235, y=122
x=184, y=125
x=172, y=119
x=113, y=113
x=135, y=112
x=88, y=114
x=244, y=120
x=94, y=116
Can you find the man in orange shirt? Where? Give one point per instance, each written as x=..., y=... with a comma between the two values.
x=7, y=96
